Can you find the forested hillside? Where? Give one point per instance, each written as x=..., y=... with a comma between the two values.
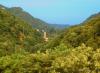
x=16, y=34
x=88, y=33
x=35, y=22
x=23, y=50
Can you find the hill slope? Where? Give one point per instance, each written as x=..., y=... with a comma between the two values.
x=15, y=33
x=28, y=18
x=36, y=23
x=88, y=33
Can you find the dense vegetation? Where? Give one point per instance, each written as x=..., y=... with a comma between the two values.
x=60, y=60
x=16, y=34
x=35, y=22
x=23, y=50
x=88, y=32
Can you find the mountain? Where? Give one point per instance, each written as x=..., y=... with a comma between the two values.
x=16, y=34
x=22, y=48
x=38, y=24
x=88, y=33
x=35, y=22
x=3, y=7
x=60, y=26
x=28, y=18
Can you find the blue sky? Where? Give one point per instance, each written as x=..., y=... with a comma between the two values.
x=57, y=11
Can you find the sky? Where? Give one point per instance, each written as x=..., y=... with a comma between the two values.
x=57, y=11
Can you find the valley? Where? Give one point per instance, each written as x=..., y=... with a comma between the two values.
x=30, y=45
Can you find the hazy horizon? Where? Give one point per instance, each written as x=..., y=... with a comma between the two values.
x=57, y=11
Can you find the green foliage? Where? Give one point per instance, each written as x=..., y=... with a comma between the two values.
x=35, y=22
x=88, y=32
x=15, y=34
x=62, y=54
x=60, y=60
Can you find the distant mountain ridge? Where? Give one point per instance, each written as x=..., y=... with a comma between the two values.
x=60, y=26
x=88, y=33
x=36, y=23
x=16, y=34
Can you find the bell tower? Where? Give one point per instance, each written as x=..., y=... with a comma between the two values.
x=45, y=36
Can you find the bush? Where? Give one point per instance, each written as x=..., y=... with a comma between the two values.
x=60, y=60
